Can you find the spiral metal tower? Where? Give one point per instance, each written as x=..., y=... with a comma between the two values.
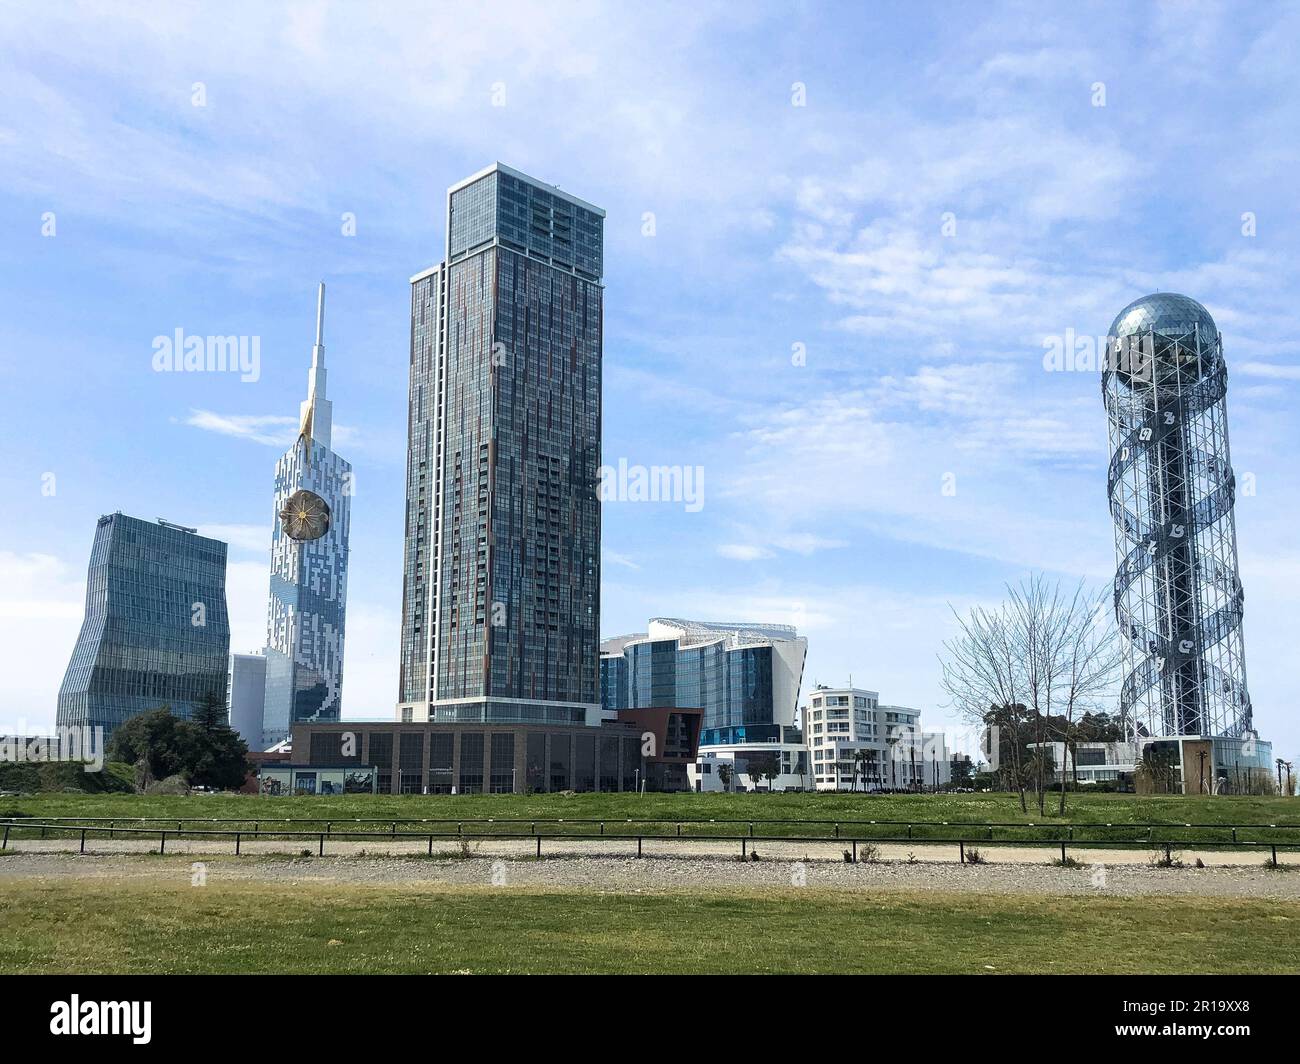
x=1178, y=596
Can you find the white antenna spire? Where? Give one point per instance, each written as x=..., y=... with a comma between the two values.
x=320, y=322
x=317, y=415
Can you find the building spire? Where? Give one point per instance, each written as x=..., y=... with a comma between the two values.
x=319, y=350
x=317, y=414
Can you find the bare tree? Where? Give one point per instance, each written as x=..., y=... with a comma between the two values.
x=1043, y=656
x=984, y=677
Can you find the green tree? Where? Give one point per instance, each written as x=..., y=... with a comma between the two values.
x=153, y=743
x=206, y=751
x=724, y=774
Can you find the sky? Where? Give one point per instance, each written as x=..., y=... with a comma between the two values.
x=841, y=238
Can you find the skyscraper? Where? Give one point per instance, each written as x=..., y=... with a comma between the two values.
x=501, y=580
x=1178, y=596
x=155, y=632
x=309, y=565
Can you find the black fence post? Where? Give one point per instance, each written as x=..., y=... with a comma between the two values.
x=1275, y=855
x=236, y=843
x=1062, y=851
x=744, y=845
x=638, y=845
x=430, y=845
x=83, y=845
x=5, y=845
x=539, y=846
x=961, y=852
x=855, y=851
x=162, y=842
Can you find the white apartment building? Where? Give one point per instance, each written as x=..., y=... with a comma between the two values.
x=855, y=743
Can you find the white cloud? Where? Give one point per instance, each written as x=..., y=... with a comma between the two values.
x=743, y=552
x=1268, y=370
x=254, y=539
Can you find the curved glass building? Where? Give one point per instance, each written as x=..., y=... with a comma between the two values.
x=1178, y=596
x=156, y=632
x=745, y=677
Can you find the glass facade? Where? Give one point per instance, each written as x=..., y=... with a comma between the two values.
x=305, y=618
x=501, y=583
x=155, y=631
x=440, y=759
x=733, y=686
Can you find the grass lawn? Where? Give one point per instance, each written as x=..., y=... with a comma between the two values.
x=955, y=808
x=93, y=926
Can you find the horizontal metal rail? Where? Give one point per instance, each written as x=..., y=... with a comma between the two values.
x=962, y=841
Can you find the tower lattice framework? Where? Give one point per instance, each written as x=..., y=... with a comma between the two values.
x=1178, y=595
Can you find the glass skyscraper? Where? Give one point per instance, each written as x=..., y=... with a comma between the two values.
x=156, y=632
x=501, y=579
x=745, y=677
x=309, y=566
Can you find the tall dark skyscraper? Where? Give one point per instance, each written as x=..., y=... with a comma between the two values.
x=155, y=632
x=501, y=582
x=1178, y=596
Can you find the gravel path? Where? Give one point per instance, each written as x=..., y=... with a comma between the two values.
x=607, y=848
x=617, y=873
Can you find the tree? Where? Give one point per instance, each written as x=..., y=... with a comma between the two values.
x=1158, y=766
x=754, y=770
x=724, y=774
x=771, y=769
x=862, y=762
x=153, y=742
x=1027, y=668
x=209, y=715
x=205, y=751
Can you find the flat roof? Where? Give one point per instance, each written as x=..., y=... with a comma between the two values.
x=553, y=189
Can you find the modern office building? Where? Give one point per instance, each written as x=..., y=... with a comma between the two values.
x=745, y=678
x=501, y=577
x=1178, y=596
x=246, y=697
x=855, y=743
x=156, y=632
x=309, y=566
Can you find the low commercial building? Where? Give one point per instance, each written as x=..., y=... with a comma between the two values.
x=643, y=749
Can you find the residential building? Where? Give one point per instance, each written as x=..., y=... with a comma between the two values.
x=501, y=577
x=855, y=743
x=155, y=631
x=309, y=565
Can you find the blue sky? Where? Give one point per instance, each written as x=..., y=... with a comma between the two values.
x=775, y=225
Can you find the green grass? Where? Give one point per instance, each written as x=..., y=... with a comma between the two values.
x=91, y=926
x=1117, y=809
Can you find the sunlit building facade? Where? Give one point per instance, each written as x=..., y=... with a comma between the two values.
x=156, y=632
x=501, y=578
x=309, y=566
